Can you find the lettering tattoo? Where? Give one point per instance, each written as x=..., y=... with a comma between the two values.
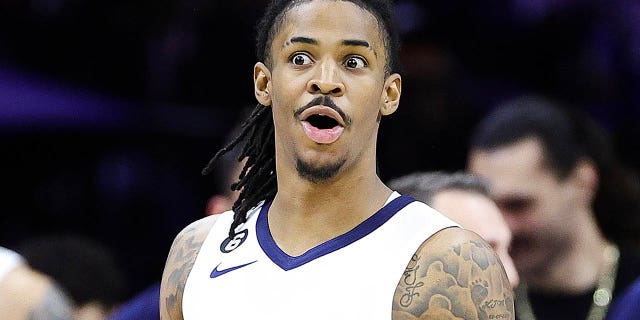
x=411, y=282
x=465, y=281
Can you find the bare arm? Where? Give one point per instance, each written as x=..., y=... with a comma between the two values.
x=455, y=274
x=180, y=260
x=54, y=305
x=30, y=295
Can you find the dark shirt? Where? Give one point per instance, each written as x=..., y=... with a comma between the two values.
x=569, y=307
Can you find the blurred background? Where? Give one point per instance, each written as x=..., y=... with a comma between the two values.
x=110, y=109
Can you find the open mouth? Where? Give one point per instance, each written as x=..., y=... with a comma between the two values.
x=322, y=121
x=322, y=124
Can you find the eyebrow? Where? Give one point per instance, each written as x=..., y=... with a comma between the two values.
x=303, y=40
x=358, y=43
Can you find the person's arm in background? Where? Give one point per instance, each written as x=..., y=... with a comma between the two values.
x=26, y=294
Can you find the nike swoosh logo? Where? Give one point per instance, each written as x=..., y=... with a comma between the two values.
x=216, y=273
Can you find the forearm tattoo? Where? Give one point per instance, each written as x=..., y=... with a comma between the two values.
x=465, y=282
x=55, y=305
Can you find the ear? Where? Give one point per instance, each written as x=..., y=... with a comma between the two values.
x=262, y=83
x=586, y=177
x=391, y=95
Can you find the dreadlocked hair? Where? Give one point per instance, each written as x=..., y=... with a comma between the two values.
x=257, y=180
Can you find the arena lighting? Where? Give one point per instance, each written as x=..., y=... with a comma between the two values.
x=29, y=101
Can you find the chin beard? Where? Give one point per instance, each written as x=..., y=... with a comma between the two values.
x=318, y=174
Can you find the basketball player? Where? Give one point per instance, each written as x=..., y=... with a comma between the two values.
x=315, y=233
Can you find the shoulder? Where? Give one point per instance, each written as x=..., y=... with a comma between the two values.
x=454, y=274
x=192, y=236
x=182, y=256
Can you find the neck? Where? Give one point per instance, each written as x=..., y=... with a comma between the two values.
x=305, y=214
x=576, y=269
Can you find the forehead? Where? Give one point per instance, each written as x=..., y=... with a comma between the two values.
x=329, y=21
x=514, y=167
x=465, y=205
x=471, y=209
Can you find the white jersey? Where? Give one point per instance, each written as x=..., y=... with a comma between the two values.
x=9, y=260
x=353, y=276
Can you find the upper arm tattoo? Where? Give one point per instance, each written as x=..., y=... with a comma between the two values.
x=54, y=305
x=180, y=260
x=461, y=281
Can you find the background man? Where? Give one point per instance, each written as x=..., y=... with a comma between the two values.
x=571, y=206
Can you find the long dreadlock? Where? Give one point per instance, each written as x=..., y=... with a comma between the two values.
x=257, y=180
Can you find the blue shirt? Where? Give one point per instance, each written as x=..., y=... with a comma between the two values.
x=627, y=306
x=144, y=306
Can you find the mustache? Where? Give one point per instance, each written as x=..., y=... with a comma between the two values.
x=325, y=101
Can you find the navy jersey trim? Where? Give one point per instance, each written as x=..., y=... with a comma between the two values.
x=287, y=262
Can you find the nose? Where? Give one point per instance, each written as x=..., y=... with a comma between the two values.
x=326, y=80
x=510, y=269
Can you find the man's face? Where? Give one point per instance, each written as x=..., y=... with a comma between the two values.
x=481, y=215
x=327, y=88
x=537, y=206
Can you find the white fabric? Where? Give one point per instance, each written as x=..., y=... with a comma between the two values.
x=353, y=276
x=9, y=260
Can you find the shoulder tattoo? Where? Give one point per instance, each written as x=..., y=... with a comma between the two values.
x=461, y=281
x=180, y=260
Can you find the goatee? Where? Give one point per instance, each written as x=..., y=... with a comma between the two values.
x=318, y=174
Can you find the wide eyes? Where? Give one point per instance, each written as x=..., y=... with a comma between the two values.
x=355, y=62
x=351, y=62
x=301, y=59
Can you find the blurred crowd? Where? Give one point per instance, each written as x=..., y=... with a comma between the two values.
x=110, y=109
